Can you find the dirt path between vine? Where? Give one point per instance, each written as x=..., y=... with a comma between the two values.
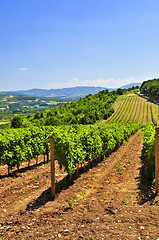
x=110, y=201
x=149, y=114
x=135, y=112
x=130, y=109
x=124, y=108
x=138, y=109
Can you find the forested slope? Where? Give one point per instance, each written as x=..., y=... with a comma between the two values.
x=87, y=110
x=150, y=88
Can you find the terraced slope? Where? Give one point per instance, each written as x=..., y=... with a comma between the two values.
x=132, y=108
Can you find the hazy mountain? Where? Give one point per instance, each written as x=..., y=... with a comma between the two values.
x=64, y=93
x=131, y=85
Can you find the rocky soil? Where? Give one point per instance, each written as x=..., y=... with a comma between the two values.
x=111, y=200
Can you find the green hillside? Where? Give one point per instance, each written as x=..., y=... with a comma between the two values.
x=22, y=105
x=150, y=88
x=77, y=138
x=133, y=108
x=87, y=110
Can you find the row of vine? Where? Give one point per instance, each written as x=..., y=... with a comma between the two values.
x=133, y=109
x=149, y=150
x=73, y=144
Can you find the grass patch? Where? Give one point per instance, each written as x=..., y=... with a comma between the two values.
x=125, y=202
x=88, y=186
x=70, y=203
x=37, y=177
x=83, y=193
x=102, y=186
x=120, y=168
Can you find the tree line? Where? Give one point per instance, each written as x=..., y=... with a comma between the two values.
x=87, y=110
x=150, y=88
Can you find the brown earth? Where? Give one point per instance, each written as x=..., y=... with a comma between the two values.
x=112, y=200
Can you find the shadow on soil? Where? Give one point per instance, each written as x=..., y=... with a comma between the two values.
x=65, y=183
x=146, y=188
x=22, y=170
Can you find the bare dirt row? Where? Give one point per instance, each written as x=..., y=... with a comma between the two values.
x=110, y=201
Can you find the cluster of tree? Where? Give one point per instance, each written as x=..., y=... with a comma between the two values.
x=24, y=105
x=87, y=110
x=150, y=88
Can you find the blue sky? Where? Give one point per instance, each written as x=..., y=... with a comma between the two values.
x=55, y=44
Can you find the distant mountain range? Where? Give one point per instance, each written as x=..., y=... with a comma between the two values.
x=64, y=93
x=131, y=85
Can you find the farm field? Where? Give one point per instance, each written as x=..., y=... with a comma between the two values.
x=133, y=108
x=112, y=200
x=11, y=105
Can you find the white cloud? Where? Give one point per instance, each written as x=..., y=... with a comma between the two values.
x=23, y=69
x=107, y=83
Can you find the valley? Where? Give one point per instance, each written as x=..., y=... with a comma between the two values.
x=111, y=196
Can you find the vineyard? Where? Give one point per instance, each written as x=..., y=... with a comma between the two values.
x=73, y=144
x=132, y=108
x=79, y=144
x=110, y=153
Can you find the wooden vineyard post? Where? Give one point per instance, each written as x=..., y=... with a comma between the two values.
x=52, y=168
x=157, y=161
x=77, y=165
